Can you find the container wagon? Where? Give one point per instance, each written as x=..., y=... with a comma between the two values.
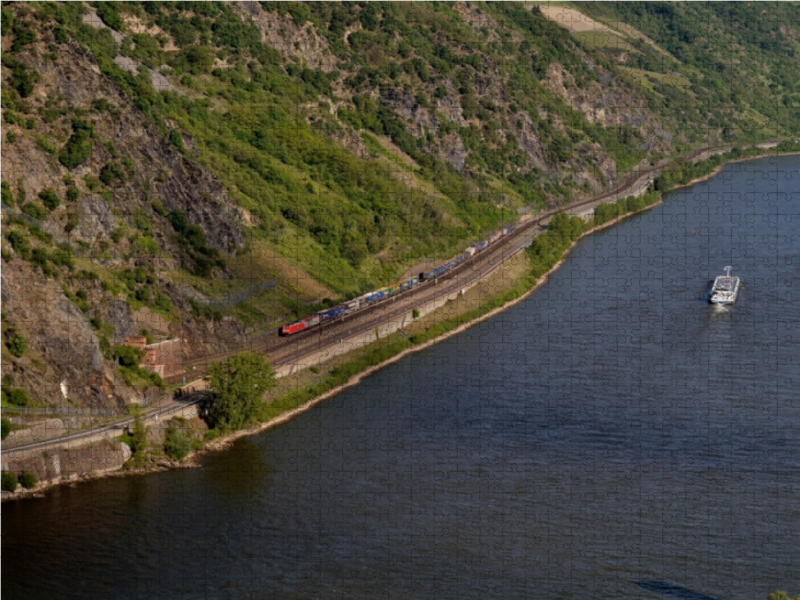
x=332, y=313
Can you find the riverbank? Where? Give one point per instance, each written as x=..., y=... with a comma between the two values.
x=391, y=343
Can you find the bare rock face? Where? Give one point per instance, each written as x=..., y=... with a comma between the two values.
x=291, y=39
x=604, y=107
x=96, y=219
x=450, y=107
x=121, y=321
x=453, y=150
x=161, y=172
x=62, y=345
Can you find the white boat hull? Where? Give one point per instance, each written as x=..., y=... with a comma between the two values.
x=725, y=289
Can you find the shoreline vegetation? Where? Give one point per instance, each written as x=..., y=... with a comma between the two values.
x=546, y=253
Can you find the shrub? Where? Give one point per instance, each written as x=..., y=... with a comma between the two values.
x=140, y=220
x=112, y=173
x=17, y=397
x=20, y=192
x=17, y=344
x=176, y=444
x=159, y=208
x=34, y=210
x=63, y=256
x=6, y=428
x=39, y=258
x=109, y=14
x=163, y=302
x=45, y=144
x=91, y=183
x=178, y=220
x=73, y=194
x=130, y=166
x=22, y=79
x=79, y=146
x=117, y=234
x=27, y=479
x=8, y=481
x=61, y=34
x=157, y=380
x=129, y=357
x=176, y=140
x=49, y=198
x=72, y=222
x=7, y=195
x=19, y=243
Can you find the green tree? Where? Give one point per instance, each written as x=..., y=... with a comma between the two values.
x=27, y=479
x=138, y=437
x=6, y=424
x=8, y=481
x=239, y=385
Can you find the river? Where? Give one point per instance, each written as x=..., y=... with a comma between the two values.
x=612, y=436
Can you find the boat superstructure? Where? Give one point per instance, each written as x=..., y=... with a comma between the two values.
x=725, y=288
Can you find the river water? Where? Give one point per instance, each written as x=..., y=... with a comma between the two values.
x=613, y=436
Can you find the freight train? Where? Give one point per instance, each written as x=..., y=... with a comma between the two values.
x=388, y=291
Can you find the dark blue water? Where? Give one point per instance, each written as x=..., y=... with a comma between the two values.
x=614, y=436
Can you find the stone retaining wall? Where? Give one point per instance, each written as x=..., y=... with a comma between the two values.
x=71, y=464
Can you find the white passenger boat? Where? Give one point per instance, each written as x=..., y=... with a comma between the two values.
x=725, y=288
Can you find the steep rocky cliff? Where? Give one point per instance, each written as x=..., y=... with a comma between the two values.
x=202, y=171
